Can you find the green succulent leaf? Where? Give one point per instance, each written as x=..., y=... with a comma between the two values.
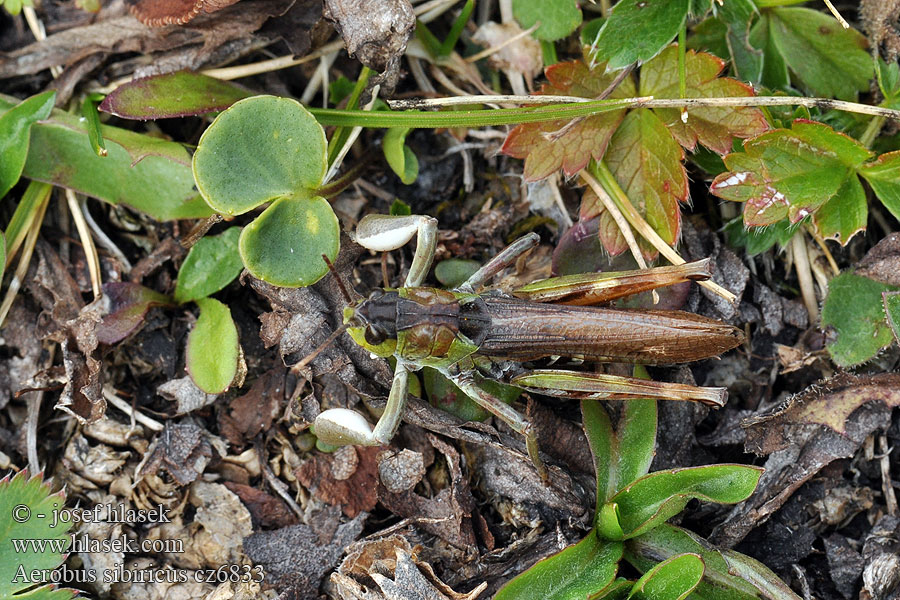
x=213, y=350
x=656, y=497
x=719, y=581
x=285, y=244
x=636, y=437
x=28, y=509
x=261, y=149
x=672, y=579
x=400, y=157
x=602, y=441
x=146, y=173
x=584, y=568
x=855, y=309
x=15, y=136
x=212, y=263
x=178, y=94
x=637, y=30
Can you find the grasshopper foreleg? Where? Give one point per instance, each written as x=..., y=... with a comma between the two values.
x=341, y=426
x=500, y=409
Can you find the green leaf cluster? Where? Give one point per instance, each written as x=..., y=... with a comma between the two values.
x=27, y=506
x=630, y=523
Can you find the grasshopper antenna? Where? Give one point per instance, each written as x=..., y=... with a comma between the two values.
x=312, y=355
x=338, y=280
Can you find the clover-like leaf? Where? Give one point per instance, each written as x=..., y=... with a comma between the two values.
x=792, y=173
x=551, y=145
x=213, y=351
x=714, y=127
x=855, y=309
x=637, y=30
x=15, y=136
x=29, y=547
x=212, y=263
x=259, y=150
x=656, y=497
x=285, y=244
x=267, y=149
x=579, y=570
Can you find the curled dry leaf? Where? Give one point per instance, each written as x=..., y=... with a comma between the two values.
x=800, y=446
x=522, y=55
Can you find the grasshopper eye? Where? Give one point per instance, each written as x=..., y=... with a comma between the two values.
x=374, y=336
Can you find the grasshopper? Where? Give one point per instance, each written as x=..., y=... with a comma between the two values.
x=462, y=334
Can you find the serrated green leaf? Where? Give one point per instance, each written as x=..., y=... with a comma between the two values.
x=213, y=350
x=178, y=94
x=211, y=264
x=30, y=518
x=791, y=173
x=855, y=310
x=637, y=30
x=747, y=60
x=672, y=579
x=579, y=570
x=775, y=73
x=285, y=244
x=149, y=174
x=845, y=214
x=399, y=156
x=884, y=177
x=647, y=163
x=658, y=496
x=15, y=136
x=558, y=18
x=888, y=77
x=824, y=58
x=261, y=149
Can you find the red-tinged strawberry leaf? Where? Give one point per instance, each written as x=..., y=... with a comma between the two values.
x=712, y=127
x=884, y=177
x=551, y=145
x=610, y=235
x=647, y=163
x=792, y=173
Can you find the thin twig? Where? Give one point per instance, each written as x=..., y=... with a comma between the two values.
x=837, y=15
x=126, y=408
x=618, y=217
x=651, y=102
x=87, y=242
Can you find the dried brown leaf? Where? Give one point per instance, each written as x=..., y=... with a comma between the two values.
x=181, y=449
x=325, y=475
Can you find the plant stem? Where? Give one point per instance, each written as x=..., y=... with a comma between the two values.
x=872, y=131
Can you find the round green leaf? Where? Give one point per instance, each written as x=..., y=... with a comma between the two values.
x=285, y=244
x=212, y=263
x=260, y=149
x=212, y=349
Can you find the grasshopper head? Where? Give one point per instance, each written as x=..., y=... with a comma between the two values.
x=367, y=332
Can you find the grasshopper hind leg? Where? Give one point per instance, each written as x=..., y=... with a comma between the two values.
x=519, y=423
